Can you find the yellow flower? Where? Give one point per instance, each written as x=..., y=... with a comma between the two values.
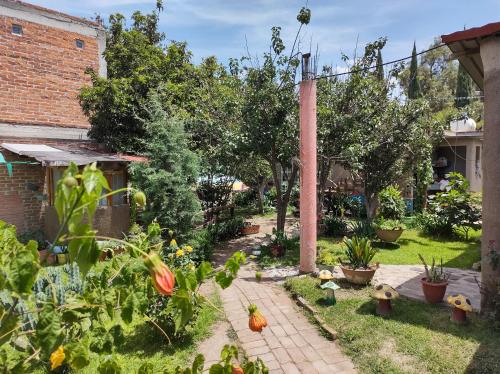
x=173, y=243
x=192, y=267
x=179, y=253
x=57, y=358
x=188, y=248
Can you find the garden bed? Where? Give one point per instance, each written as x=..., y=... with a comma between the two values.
x=417, y=338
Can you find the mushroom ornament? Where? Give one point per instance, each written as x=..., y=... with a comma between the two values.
x=330, y=288
x=384, y=293
x=325, y=276
x=461, y=305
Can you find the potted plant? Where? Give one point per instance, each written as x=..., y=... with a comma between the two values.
x=277, y=243
x=250, y=229
x=360, y=253
x=388, y=230
x=435, y=281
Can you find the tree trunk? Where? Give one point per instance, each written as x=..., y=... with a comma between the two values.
x=260, y=197
x=371, y=203
x=324, y=173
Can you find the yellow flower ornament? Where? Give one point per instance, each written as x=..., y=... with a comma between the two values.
x=57, y=358
x=179, y=253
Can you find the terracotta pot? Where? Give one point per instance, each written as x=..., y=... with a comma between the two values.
x=277, y=250
x=250, y=230
x=434, y=292
x=51, y=259
x=359, y=276
x=389, y=236
x=458, y=316
x=384, y=307
x=43, y=254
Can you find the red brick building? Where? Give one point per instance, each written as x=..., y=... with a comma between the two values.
x=43, y=58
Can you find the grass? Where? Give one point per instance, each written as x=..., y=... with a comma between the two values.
x=455, y=253
x=144, y=344
x=416, y=338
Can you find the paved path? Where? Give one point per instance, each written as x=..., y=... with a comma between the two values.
x=290, y=344
x=406, y=279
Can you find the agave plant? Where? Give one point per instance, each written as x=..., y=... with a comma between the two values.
x=359, y=252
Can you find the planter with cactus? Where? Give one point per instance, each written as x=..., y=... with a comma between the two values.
x=435, y=282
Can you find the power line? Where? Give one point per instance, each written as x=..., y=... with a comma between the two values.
x=379, y=65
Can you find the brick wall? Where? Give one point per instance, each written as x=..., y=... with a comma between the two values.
x=41, y=73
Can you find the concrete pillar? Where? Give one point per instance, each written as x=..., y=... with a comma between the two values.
x=308, y=175
x=490, y=54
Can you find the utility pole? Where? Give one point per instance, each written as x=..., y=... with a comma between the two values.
x=308, y=174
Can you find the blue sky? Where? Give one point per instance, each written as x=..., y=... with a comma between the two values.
x=219, y=27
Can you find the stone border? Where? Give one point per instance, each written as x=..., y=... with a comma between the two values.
x=314, y=313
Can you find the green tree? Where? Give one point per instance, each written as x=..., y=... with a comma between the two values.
x=464, y=88
x=414, y=91
x=138, y=64
x=270, y=121
x=214, y=128
x=255, y=172
x=169, y=177
x=380, y=67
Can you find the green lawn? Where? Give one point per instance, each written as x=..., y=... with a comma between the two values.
x=417, y=338
x=455, y=253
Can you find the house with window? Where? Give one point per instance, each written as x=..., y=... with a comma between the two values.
x=43, y=58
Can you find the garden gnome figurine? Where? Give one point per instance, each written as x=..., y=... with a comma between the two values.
x=330, y=288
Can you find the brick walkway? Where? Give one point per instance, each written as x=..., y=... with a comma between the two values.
x=290, y=344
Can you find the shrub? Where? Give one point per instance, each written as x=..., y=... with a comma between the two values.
x=335, y=226
x=245, y=198
x=362, y=228
x=226, y=229
x=388, y=224
x=341, y=204
x=270, y=197
x=452, y=210
x=391, y=204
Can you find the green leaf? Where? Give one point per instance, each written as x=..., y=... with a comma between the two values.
x=146, y=368
x=198, y=364
x=48, y=329
x=128, y=308
x=203, y=270
x=183, y=308
x=109, y=366
x=216, y=369
x=102, y=341
x=23, y=271
x=223, y=279
x=7, y=325
x=78, y=355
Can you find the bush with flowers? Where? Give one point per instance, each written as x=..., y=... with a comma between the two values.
x=67, y=335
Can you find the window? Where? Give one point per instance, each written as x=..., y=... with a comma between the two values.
x=17, y=29
x=116, y=180
x=80, y=43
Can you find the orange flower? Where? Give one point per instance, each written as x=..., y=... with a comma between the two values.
x=237, y=370
x=257, y=321
x=163, y=278
x=57, y=358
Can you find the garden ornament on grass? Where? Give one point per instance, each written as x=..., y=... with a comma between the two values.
x=330, y=288
x=384, y=293
x=325, y=276
x=461, y=305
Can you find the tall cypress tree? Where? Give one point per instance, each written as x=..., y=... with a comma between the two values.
x=464, y=88
x=414, y=91
x=380, y=69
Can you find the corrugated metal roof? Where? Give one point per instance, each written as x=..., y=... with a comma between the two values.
x=61, y=156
